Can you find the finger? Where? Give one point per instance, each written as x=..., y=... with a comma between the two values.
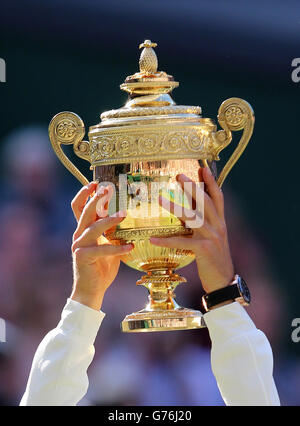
x=188, y=188
x=91, y=234
x=183, y=243
x=106, y=193
x=92, y=253
x=89, y=214
x=200, y=174
x=81, y=198
x=190, y=218
x=201, y=199
x=214, y=191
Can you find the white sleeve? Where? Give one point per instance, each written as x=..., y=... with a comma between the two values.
x=241, y=357
x=59, y=370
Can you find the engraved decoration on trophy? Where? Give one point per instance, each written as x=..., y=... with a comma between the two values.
x=149, y=141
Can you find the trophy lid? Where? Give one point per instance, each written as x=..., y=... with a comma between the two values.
x=148, y=80
x=150, y=126
x=149, y=93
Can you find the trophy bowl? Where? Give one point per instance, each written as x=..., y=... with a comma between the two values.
x=139, y=150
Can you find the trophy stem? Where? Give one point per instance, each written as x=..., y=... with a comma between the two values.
x=161, y=285
x=162, y=313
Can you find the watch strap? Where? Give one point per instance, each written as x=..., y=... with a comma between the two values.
x=221, y=295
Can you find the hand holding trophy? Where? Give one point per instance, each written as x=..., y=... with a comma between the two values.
x=139, y=151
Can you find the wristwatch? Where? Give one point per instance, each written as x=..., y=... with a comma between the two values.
x=237, y=291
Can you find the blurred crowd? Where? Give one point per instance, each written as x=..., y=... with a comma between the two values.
x=170, y=368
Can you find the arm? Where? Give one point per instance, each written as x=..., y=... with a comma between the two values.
x=58, y=373
x=241, y=355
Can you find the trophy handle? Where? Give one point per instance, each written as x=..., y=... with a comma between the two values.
x=67, y=128
x=234, y=114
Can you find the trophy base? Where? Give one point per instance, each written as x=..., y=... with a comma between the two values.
x=174, y=319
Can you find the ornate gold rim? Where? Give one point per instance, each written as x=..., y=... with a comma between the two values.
x=143, y=233
x=150, y=86
x=149, y=111
x=152, y=143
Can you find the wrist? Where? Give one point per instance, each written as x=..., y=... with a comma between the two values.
x=236, y=291
x=92, y=300
x=216, y=284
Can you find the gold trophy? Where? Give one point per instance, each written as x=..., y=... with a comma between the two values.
x=149, y=141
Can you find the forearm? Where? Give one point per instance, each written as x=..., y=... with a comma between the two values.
x=241, y=357
x=59, y=370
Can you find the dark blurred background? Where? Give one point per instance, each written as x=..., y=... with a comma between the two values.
x=73, y=55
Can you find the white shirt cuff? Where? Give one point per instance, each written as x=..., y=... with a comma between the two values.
x=80, y=320
x=228, y=321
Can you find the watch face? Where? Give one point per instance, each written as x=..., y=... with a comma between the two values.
x=244, y=290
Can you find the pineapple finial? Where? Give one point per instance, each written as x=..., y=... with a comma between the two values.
x=148, y=59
